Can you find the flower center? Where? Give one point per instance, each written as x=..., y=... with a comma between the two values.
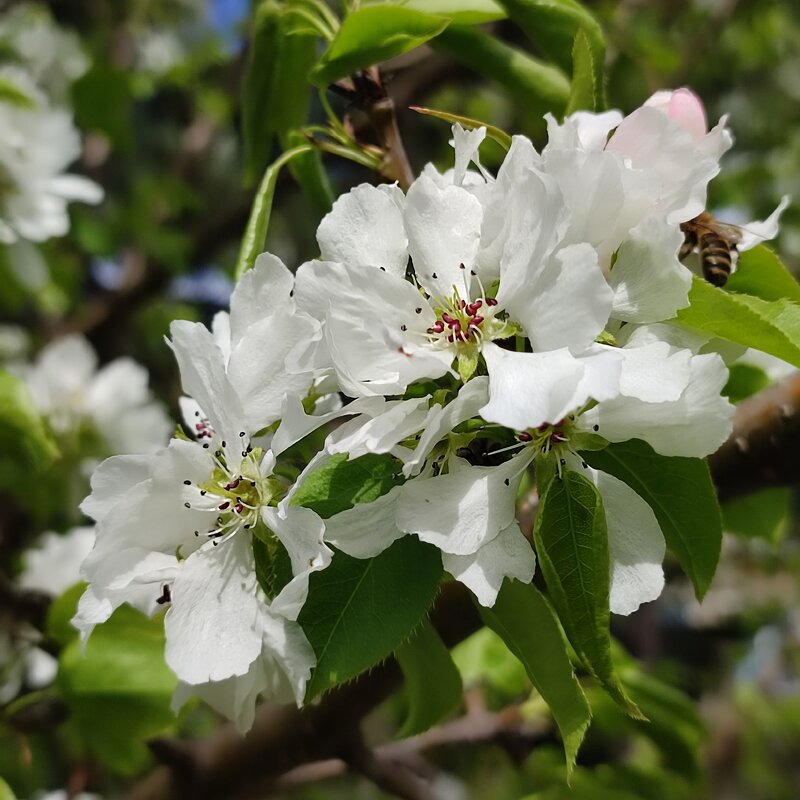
x=461, y=323
x=235, y=496
x=549, y=436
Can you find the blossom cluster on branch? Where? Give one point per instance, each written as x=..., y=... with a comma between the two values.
x=466, y=331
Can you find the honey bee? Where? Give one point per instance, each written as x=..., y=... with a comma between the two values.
x=716, y=245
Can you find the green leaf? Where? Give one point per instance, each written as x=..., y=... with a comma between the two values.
x=770, y=326
x=371, y=35
x=500, y=136
x=119, y=691
x=339, y=484
x=552, y=26
x=276, y=95
x=5, y=791
x=25, y=443
x=359, y=611
x=308, y=171
x=59, y=626
x=433, y=684
x=461, y=12
x=572, y=547
x=763, y=515
x=273, y=564
x=255, y=234
x=531, y=81
x=744, y=380
x=585, y=93
x=528, y=626
x=682, y=496
x=673, y=722
x=760, y=272
x=484, y=659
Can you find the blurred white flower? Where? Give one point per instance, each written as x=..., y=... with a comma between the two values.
x=69, y=390
x=52, y=55
x=37, y=143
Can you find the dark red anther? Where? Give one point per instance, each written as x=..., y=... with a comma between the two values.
x=233, y=484
x=455, y=325
x=238, y=508
x=451, y=338
x=437, y=327
x=476, y=320
x=524, y=436
x=490, y=301
x=166, y=595
x=447, y=318
x=223, y=506
x=462, y=303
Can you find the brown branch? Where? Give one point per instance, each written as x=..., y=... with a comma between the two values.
x=366, y=91
x=395, y=166
x=764, y=449
x=505, y=728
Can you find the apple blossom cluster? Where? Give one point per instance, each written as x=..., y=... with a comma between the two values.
x=471, y=330
x=38, y=139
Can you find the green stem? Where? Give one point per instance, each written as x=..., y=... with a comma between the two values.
x=255, y=235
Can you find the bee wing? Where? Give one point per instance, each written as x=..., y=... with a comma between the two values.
x=732, y=233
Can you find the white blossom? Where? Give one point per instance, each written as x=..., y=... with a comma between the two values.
x=114, y=400
x=37, y=144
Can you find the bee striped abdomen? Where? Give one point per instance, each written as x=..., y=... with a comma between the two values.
x=715, y=257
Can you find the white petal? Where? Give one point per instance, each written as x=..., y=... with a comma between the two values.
x=203, y=377
x=259, y=291
x=54, y=564
x=567, y=304
x=694, y=425
x=112, y=480
x=655, y=373
x=375, y=326
x=365, y=227
x=441, y=420
x=649, y=282
x=76, y=187
x=466, y=143
x=296, y=424
x=528, y=389
x=658, y=145
x=602, y=373
x=444, y=233
x=300, y=530
x=62, y=371
x=635, y=543
x=280, y=674
x=582, y=130
x=257, y=366
x=215, y=625
x=382, y=358
x=383, y=432
x=366, y=529
x=761, y=231
x=534, y=219
x=92, y=610
x=508, y=555
x=463, y=510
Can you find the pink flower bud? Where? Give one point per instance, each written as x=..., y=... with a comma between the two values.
x=683, y=107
